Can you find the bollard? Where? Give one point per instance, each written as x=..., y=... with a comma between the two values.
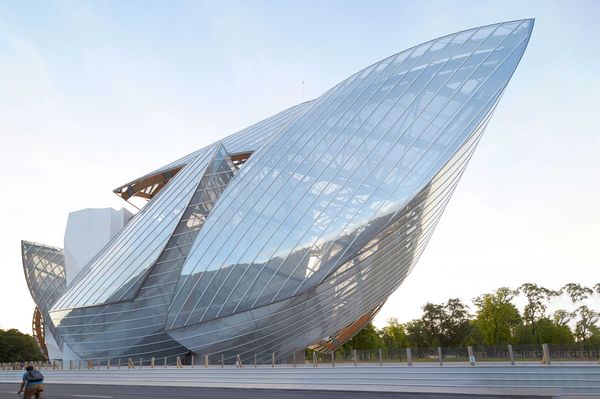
x=119, y=363
x=79, y=364
x=98, y=364
x=354, y=357
x=380, y=358
x=165, y=362
x=222, y=360
x=440, y=356
x=471, y=357
x=294, y=359
x=192, y=361
x=315, y=361
x=205, y=361
x=70, y=365
x=130, y=364
x=179, y=365
x=511, y=355
x=546, y=357
x=333, y=359
x=152, y=362
x=255, y=360
x=108, y=364
x=273, y=359
x=141, y=363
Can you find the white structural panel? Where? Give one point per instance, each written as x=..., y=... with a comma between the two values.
x=87, y=232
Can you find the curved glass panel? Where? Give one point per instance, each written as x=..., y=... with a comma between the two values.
x=314, y=193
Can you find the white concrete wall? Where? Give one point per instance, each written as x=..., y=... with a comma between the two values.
x=87, y=232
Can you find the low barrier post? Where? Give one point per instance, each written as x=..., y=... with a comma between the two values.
x=152, y=362
x=273, y=359
x=239, y=362
x=205, y=361
x=354, y=357
x=511, y=355
x=380, y=358
x=333, y=359
x=222, y=360
x=440, y=356
x=165, y=362
x=192, y=361
x=315, y=361
x=108, y=364
x=471, y=357
x=294, y=359
x=255, y=360
x=141, y=362
x=546, y=357
x=409, y=356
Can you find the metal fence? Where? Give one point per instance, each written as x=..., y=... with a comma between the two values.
x=509, y=354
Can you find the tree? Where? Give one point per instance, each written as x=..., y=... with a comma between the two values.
x=367, y=338
x=446, y=324
x=394, y=335
x=586, y=326
x=535, y=310
x=577, y=292
x=18, y=347
x=416, y=334
x=562, y=317
x=496, y=317
x=547, y=332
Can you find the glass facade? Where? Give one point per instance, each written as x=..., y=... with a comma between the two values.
x=324, y=220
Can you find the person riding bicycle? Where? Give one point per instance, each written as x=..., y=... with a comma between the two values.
x=33, y=382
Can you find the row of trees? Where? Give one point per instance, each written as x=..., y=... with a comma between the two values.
x=496, y=321
x=16, y=346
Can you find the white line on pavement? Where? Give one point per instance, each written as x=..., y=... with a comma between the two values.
x=91, y=396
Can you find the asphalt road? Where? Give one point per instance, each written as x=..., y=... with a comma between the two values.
x=72, y=391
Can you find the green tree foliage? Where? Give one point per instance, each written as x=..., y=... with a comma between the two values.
x=586, y=326
x=416, y=334
x=367, y=338
x=447, y=324
x=577, y=292
x=394, y=335
x=547, y=331
x=497, y=321
x=536, y=307
x=16, y=347
x=496, y=318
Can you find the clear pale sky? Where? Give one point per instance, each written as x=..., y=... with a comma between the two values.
x=93, y=94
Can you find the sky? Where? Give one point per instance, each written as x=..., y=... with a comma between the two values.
x=96, y=93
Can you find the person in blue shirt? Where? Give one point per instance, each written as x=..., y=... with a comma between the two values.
x=33, y=382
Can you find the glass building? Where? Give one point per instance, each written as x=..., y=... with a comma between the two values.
x=291, y=233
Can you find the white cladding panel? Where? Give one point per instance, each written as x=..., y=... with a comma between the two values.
x=87, y=232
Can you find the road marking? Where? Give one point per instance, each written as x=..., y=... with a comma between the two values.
x=92, y=396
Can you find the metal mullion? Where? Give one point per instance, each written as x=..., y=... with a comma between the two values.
x=147, y=287
x=113, y=331
x=362, y=87
x=275, y=125
x=161, y=273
